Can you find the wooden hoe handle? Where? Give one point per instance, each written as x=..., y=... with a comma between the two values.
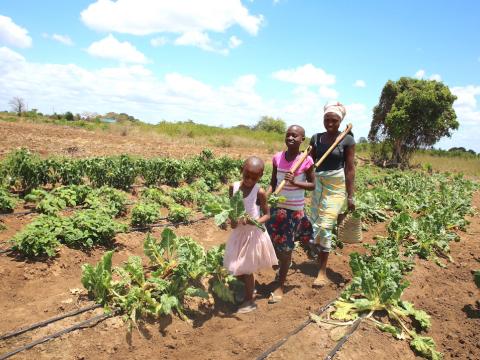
x=294, y=168
x=337, y=140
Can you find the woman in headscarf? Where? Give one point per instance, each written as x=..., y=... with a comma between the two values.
x=335, y=179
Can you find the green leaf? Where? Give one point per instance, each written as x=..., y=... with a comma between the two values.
x=421, y=316
x=221, y=217
x=425, y=346
x=476, y=277
x=196, y=292
x=396, y=332
x=223, y=291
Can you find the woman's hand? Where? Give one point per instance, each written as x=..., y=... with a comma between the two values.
x=233, y=224
x=351, y=204
x=289, y=177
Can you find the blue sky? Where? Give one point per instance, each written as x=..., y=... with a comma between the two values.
x=228, y=62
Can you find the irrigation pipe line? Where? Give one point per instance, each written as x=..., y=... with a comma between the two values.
x=299, y=328
x=77, y=326
x=344, y=339
x=49, y=321
x=166, y=224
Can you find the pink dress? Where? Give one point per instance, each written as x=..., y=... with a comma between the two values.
x=248, y=248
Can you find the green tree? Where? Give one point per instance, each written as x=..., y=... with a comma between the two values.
x=270, y=124
x=68, y=116
x=411, y=114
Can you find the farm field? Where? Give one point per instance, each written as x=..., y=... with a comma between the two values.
x=37, y=290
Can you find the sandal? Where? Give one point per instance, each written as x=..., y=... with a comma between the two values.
x=247, y=307
x=274, y=298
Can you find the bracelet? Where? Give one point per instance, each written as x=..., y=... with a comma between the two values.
x=351, y=198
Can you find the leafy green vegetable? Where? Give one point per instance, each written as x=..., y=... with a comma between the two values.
x=178, y=213
x=425, y=346
x=97, y=279
x=274, y=200
x=176, y=267
x=7, y=201
x=144, y=214
x=39, y=238
x=233, y=209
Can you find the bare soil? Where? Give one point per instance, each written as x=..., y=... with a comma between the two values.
x=35, y=291
x=50, y=139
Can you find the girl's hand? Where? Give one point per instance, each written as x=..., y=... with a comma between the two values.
x=289, y=177
x=351, y=204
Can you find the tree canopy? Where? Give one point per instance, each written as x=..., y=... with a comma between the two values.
x=270, y=124
x=412, y=114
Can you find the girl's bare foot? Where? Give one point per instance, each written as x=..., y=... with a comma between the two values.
x=321, y=280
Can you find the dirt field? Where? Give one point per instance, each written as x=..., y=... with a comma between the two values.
x=35, y=291
x=48, y=139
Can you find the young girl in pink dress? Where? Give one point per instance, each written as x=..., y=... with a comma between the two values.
x=250, y=249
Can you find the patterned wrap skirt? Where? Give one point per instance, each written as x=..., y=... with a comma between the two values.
x=287, y=226
x=328, y=200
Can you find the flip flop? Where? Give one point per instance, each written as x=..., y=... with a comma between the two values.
x=247, y=308
x=274, y=298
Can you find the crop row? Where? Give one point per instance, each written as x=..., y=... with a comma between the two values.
x=25, y=171
x=426, y=211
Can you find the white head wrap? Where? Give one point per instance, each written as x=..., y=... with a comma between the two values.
x=336, y=108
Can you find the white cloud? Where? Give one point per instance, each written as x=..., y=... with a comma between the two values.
x=158, y=41
x=144, y=17
x=305, y=75
x=328, y=93
x=234, y=42
x=64, y=39
x=133, y=89
x=420, y=74
x=359, y=84
x=468, y=115
x=110, y=48
x=136, y=90
x=200, y=40
x=12, y=34
x=466, y=105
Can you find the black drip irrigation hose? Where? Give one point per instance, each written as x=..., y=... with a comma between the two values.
x=77, y=326
x=299, y=328
x=49, y=321
x=18, y=213
x=166, y=224
x=344, y=339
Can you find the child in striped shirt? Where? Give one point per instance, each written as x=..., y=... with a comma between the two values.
x=288, y=221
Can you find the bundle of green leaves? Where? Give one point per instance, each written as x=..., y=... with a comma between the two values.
x=232, y=209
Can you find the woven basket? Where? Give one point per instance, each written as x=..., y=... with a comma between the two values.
x=350, y=230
